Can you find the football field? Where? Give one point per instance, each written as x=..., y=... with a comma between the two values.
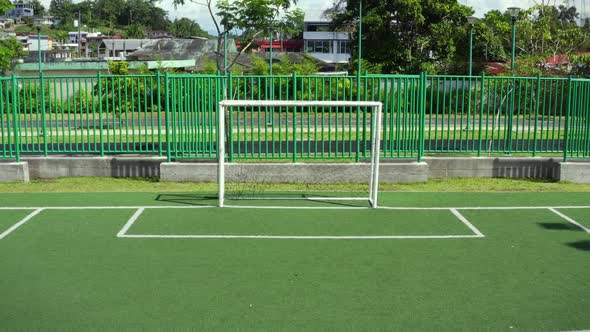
x=174, y=261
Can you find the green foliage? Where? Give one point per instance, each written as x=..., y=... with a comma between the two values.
x=252, y=19
x=62, y=10
x=10, y=50
x=184, y=28
x=110, y=14
x=118, y=67
x=5, y=5
x=367, y=67
x=134, y=31
x=209, y=67
x=285, y=66
x=38, y=8
x=406, y=36
x=29, y=97
x=581, y=65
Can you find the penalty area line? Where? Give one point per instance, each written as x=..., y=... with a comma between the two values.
x=570, y=220
x=302, y=237
x=130, y=222
x=20, y=223
x=467, y=223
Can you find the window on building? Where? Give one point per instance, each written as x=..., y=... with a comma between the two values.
x=343, y=46
x=318, y=46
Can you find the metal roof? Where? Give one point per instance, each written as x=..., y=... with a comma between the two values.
x=124, y=44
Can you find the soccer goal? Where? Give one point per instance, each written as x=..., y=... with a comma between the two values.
x=279, y=131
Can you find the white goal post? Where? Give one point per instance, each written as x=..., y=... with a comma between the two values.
x=376, y=110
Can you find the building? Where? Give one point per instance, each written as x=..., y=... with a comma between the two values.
x=294, y=46
x=30, y=43
x=160, y=34
x=329, y=47
x=117, y=49
x=45, y=20
x=73, y=36
x=22, y=8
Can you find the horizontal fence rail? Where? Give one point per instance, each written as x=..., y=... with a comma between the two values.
x=176, y=116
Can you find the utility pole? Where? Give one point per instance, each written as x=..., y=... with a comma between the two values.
x=79, y=34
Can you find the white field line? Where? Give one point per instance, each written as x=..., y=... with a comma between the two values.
x=466, y=222
x=135, y=207
x=130, y=222
x=137, y=214
x=140, y=209
x=20, y=223
x=303, y=237
x=568, y=219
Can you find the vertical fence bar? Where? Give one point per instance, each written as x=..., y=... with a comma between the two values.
x=43, y=113
x=567, y=119
x=422, y=113
x=230, y=124
x=537, y=108
x=481, y=107
x=159, y=113
x=15, y=119
x=100, y=119
x=167, y=117
x=294, y=118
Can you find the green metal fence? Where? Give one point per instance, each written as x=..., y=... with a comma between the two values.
x=176, y=116
x=9, y=143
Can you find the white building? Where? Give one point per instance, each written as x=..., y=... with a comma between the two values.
x=73, y=36
x=31, y=44
x=329, y=47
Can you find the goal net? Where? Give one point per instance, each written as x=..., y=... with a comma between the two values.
x=265, y=143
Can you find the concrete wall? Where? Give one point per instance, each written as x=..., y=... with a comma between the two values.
x=206, y=171
x=54, y=167
x=296, y=173
x=10, y=172
x=575, y=172
x=489, y=167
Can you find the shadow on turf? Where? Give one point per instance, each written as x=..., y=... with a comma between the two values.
x=193, y=199
x=580, y=245
x=209, y=200
x=559, y=226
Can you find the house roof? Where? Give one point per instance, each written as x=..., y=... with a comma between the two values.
x=125, y=44
x=177, y=49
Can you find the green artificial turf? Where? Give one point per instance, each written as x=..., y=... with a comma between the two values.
x=152, y=185
x=11, y=217
x=67, y=270
x=582, y=216
x=298, y=222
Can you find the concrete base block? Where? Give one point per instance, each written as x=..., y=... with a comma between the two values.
x=10, y=172
x=54, y=167
x=489, y=167
x=294, y=173
x=575, y=172
x=188, y=172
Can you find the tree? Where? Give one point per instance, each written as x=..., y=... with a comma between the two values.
x=251, y=18
x=184, y=27
x=109, y=11
x=62, y=10
x=405, y=36
x=143, y=12
x=10, y=50
x=38, y=8
x=5, y=5
x=134, y=31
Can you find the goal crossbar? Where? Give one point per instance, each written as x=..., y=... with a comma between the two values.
x=375, y=143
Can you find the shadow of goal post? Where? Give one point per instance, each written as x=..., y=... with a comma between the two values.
x=376, y=110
